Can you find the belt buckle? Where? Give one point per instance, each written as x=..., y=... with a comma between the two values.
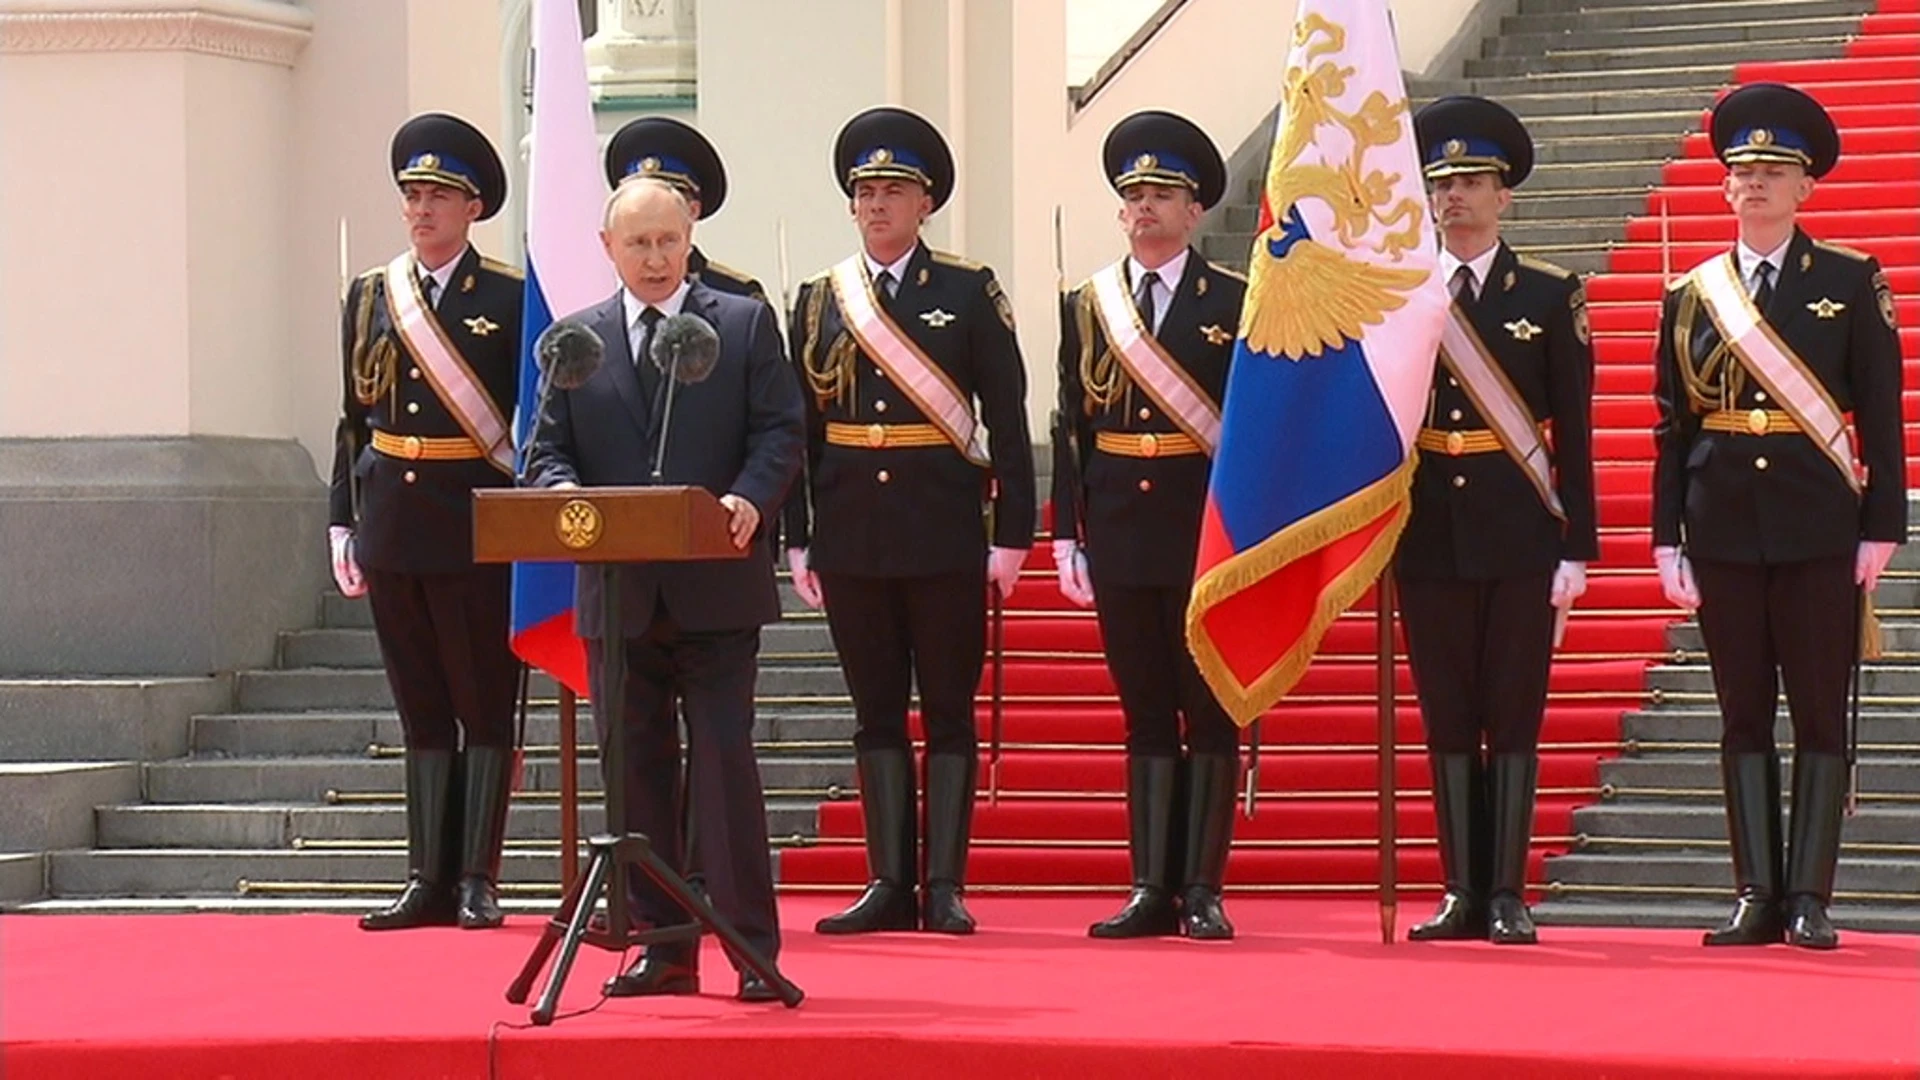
x=876, y=436
x=411, y=447
x=1456, y=443
x=1757, y=421
x=1149, y=446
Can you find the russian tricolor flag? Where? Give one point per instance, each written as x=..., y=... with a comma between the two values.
x=566, y=271
x=1309, y=490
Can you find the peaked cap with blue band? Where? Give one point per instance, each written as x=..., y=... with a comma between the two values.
x=1775, y=122
x=662, y=147
x=1157, y=147
x=886, y=143
x=436, y=148
x=1467, y=134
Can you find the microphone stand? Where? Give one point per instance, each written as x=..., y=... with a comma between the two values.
x=666, y=419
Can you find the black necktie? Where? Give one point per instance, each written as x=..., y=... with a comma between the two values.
x=643, y=358
x=1143, y=299
x=1463, y=284
x=429, y=285
x=885, y=283
x=1763, y=290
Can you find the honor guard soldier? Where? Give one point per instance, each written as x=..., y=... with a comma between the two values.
x=895, y=346
x=1502, y=527
x=666, y=149
x=432, y=344
x=1144, y=350
x=1761, y=521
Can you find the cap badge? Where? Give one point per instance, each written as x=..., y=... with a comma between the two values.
x=649, y=164
x=1760, y=137
x=880, y=156
x=1145, y=162
x=427, y=161
x=1454, y=148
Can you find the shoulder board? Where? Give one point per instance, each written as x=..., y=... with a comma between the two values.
x=729, y=272
x=947, y=258
x=375, y=274
x=816, y=279
x=1846, y=252
x=1085, y=288
x=503, y=269
x=1229, y=272
x=1679, y=283
x=1541, y=266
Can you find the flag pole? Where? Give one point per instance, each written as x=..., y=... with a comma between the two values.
x=1389, y=840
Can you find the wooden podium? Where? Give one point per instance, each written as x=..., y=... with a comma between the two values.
x=607, y=527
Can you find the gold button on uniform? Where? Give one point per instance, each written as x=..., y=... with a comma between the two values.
x=1760, y=463
x=1759, y=395
x=1455, y=414
x=879, y=406
x=410, y=476
x=883, y=476
x=1146, y=413
x=1146, y=485
x=1459, y=481
x=413, y=406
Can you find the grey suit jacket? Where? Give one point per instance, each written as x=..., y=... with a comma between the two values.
x=741, y=430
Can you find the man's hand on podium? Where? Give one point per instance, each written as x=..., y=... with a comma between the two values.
x=745, y=518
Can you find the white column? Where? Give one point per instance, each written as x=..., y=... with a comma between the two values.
x=643, y=49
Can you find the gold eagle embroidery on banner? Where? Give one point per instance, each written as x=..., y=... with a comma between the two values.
x=1314, y=296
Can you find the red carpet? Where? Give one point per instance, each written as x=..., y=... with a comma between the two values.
x=1307, y=992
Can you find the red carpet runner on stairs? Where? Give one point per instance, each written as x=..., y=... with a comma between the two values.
x=1061, y=820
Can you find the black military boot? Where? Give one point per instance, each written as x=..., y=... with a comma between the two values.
x=487, y=777
x=1819, y=804
x=1149, y=911
x=428, y=899
x=1459, y=798
x=887, y=805
x=1510, y=785
x=1752, y=783
x=950, y=779
x=1210, y=790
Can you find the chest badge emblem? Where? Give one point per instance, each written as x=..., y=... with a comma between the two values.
x=1826, y=308
x=481, y=326
x=937, y=318
x=1523, y=330
x=1215, y=335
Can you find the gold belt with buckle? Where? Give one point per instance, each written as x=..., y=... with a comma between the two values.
x=885, y=436
x=1751, y=421
x=427, y=448
x=1150, y=444
x=1456, y=443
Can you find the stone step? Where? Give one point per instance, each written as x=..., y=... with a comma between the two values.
x=355, y=647
x=187, y=872
x=1575, y=60
x=1618, y=204
x=1568, y=104
x=288, y=734
x=1590, y=18
x=1605, y=149
x=291, y=825
x=102, y=718
x=310, y=689
x=49, y=804
x=311, y=779
x=521, y=901
x=1654, y=40
x=1611, y=827
x=1876, y=679
x=1657, y=728
x=1898, y=879
x=1572, y=909
x=1701, y=79
x=1896, y=636
x=1636, y=779
x=1596, y=232
x=1670, y=124
x=23, y=877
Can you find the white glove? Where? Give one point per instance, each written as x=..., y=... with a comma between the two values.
x=1003, y=568
x=346, y=568
x=1676, y=578
x=805, y=581
x=1569, y=583
x=1071, y=562
x=1871, y=561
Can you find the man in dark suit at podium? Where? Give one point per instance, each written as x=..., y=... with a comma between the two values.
x=692, y=629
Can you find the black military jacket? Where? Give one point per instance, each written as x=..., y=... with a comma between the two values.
x=417, y=516
x=1777, y=498
x=1138, y=517
x=1478, y=517
x=911, y=511
x=721, y=277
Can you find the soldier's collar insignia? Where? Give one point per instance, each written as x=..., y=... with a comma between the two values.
x=1200, y=286
x=1806, y=262
x=466, y=284
x=481, y=326
x=1523, y=330
x=1506, y=283
x=1215, y=335
x=1826, y=308
x=937, y=318
x=921, y=278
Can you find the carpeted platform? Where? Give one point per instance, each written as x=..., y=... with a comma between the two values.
x=1308, y=991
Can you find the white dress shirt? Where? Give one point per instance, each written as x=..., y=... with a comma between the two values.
x=898, y=268
x=1169, y=273
x=1478, y=268
x=1749, y=262
x=635, y=307
x=441, y=275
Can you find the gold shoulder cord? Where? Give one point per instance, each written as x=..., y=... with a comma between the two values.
x=831, y=377
x=1714, y=381
x=1104, y=378
x=374, y=366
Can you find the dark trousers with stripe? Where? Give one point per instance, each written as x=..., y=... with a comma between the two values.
x=444, y=641
x=894, y=632
x=1143, y=629
x=1792, y=623
x=1481, y=652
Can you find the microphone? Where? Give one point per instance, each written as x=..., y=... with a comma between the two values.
x=685, y=348
x=567, y=352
